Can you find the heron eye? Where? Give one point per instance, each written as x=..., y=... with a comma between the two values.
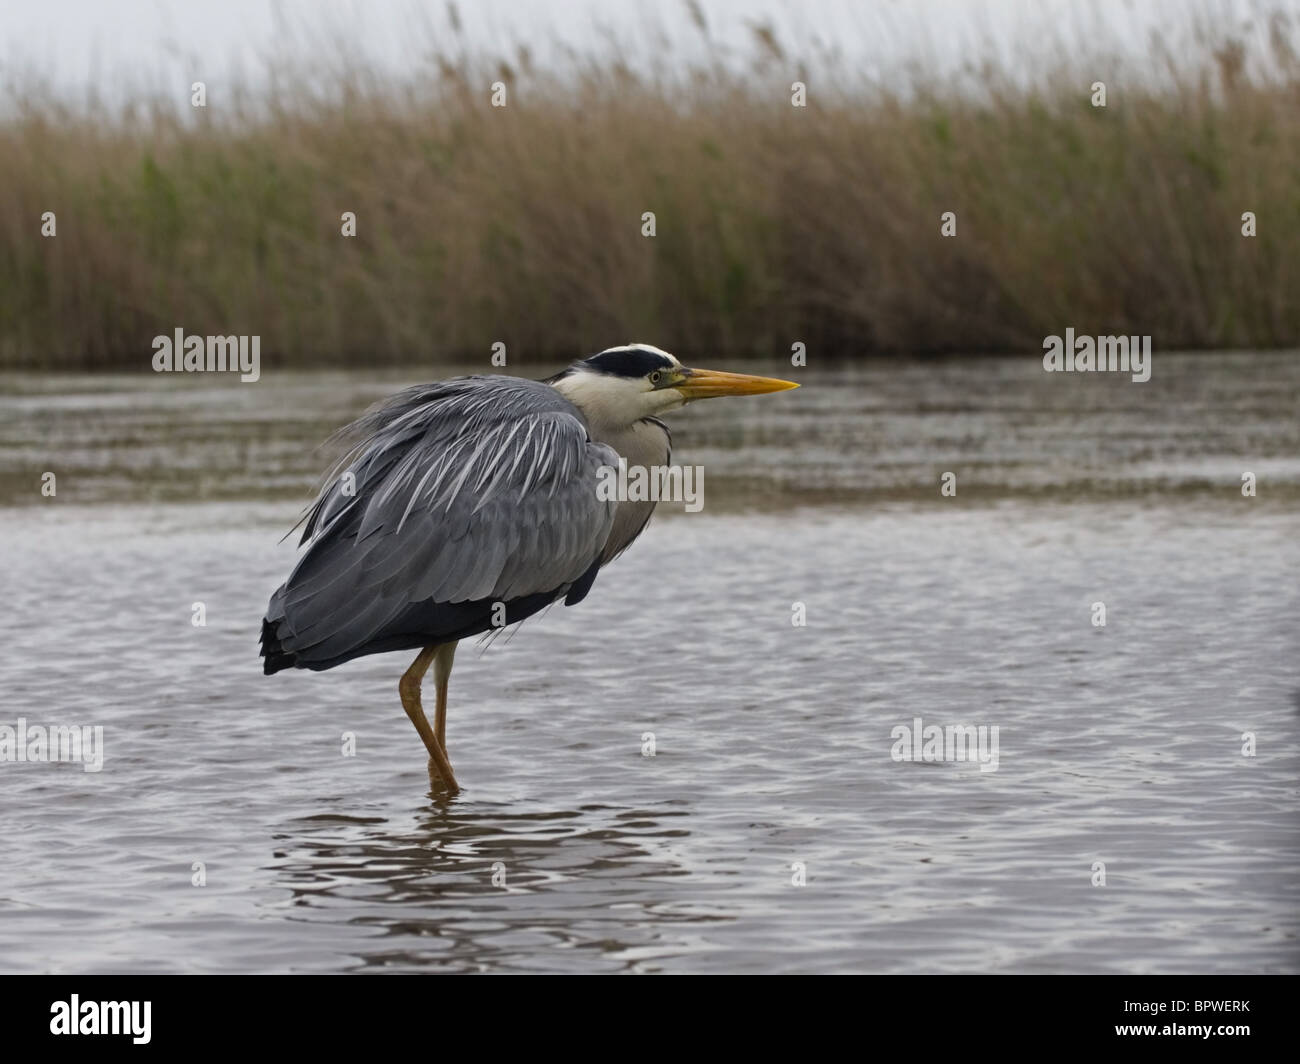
x=656, y=377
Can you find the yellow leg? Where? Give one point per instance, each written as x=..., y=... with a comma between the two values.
x=441, y=674
x=409, y=688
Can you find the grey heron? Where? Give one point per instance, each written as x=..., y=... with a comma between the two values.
x=470, y=504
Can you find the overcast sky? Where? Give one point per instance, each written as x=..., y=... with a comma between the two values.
x=126, y=44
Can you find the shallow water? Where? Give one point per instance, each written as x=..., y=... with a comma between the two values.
x=1120, y=744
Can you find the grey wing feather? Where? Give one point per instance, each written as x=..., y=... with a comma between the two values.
x=480, y=488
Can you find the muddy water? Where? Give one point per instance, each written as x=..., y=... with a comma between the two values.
x=569, y=849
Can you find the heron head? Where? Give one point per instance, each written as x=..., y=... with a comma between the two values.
x=626, y=384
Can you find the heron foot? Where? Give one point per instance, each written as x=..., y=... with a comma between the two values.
x=438, y=781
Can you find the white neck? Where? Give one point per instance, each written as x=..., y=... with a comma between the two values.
x=616, y=408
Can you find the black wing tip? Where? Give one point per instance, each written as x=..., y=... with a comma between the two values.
x=582, y=585
x=275, y=657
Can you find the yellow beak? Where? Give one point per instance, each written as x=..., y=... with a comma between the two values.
x=710, y=383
